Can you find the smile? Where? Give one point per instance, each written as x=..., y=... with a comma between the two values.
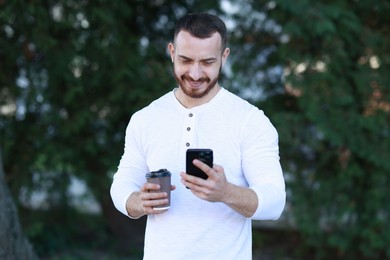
x=195, y=84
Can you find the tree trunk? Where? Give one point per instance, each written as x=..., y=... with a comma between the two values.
x=13, y=243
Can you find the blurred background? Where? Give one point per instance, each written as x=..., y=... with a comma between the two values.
x=73, y=72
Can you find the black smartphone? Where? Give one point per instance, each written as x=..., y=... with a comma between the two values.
x=204, y=155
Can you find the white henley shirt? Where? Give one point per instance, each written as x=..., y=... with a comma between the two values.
x=245, y=144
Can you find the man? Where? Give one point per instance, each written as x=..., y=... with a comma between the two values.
x=211, y=219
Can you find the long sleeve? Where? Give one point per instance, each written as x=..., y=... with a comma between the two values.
x=132, y=168
x=261, y=166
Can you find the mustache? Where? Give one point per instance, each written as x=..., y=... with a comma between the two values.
x=203, y=79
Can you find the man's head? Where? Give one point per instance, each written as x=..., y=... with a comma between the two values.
x=202, y=26
x=198, y=53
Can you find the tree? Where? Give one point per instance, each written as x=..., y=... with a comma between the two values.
x=13, y=243
x=71, y=75
x=332, y=112
x=73, y=72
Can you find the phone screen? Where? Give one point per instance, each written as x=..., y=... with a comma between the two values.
x=204, y=155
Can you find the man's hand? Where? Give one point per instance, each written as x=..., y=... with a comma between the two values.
x=213, y=189
x=217, y=189
x=141, y=203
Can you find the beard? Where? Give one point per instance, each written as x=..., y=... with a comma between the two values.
x=196, y=93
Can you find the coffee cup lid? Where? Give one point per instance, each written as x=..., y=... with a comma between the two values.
x=159, y=173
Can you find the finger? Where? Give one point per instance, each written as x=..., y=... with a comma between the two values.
x=199, y=194
x=145, y=196
x=202, y=192
x=151, y=211
x=218, y=168
x=186, y=183
x=150, y=186
x=204, y=167
x=148, y=205
x=188, y=179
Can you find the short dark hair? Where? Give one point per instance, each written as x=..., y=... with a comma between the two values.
x=202, y=25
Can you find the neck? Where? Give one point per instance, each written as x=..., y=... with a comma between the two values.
x=190, y=102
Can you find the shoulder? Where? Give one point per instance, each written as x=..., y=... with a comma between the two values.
x=239, y=106
x=157, y=106
x=248, y=116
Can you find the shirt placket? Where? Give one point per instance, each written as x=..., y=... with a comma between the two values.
x=189, y=130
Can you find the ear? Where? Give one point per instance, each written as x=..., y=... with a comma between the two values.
x=171, y=49
x=225, y=54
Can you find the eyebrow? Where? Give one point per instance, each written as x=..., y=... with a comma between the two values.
x=203, y=60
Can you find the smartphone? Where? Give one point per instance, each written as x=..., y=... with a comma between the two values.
x=204, y=155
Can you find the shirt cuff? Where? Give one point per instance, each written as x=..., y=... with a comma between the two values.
x=271, y=202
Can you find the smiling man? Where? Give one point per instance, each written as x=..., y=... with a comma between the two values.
x=212, y=218
x=197, y=66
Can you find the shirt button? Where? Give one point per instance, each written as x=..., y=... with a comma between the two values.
x=187, y=144
x=190, y=114
x=188, y=128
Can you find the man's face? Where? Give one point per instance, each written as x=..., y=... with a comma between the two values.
x=197, y=63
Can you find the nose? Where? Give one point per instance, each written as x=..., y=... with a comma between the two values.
x=195, y=71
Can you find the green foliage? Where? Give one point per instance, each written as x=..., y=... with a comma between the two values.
x=73, y=72
x=71, y=75
x=333, y=121
x=64, y=229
